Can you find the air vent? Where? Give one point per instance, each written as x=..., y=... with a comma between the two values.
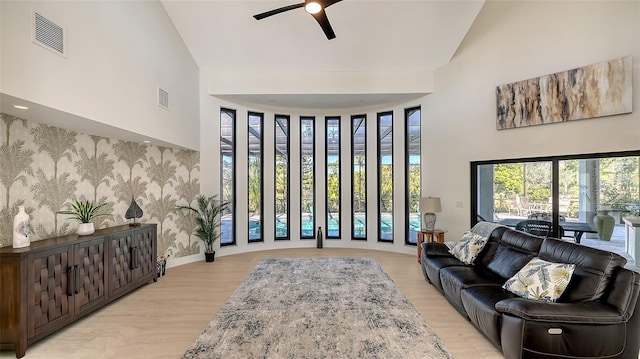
x=48, y=34
x=163, y=98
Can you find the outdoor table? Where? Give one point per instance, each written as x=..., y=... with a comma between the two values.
x=578, y=228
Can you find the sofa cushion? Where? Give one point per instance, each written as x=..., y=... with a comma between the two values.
x=593, y=272
x=514, y=251
x=431, y=267
x=540, y=280
x=467, y=249
x=455, y=279
x=480, y=305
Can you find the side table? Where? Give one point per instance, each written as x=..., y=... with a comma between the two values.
x=437, y=235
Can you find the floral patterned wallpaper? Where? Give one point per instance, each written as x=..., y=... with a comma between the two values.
x=45, y=168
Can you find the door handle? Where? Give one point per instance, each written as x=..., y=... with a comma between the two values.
x=78, y=279
x=71, y=280
x=134, y=250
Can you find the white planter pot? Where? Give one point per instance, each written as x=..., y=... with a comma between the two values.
x=85, y=229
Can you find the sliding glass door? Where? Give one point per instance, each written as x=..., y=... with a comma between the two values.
x=566, y=191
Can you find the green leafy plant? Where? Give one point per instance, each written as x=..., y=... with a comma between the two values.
x=85, y=211
x=207, y=212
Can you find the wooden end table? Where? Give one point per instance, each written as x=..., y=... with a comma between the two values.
x=437, y=235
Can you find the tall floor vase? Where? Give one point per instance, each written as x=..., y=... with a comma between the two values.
x=604, y=224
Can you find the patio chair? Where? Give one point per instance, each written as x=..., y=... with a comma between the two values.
x=523, y=206
x=546, y=216
x=535, y=227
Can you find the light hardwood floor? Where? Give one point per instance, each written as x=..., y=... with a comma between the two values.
x=161, y=320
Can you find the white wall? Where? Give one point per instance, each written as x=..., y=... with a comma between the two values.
x=118, y=54
x=512, y=41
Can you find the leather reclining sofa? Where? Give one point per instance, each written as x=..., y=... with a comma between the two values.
x=597, y=315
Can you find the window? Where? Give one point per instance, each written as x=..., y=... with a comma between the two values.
x=359, y=177
x=333, y=183
x=412, y=168
x=307, y=177
x=282, y=177
x=566, y=191
x=255, y=182
x=385, y=176
x=227, y=175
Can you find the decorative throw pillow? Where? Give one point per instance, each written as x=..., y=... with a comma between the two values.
x=468, y=248
x=540, y=280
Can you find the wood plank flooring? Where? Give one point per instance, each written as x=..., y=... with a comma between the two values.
x=161, y=320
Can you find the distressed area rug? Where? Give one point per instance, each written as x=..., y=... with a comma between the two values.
x=317, y=308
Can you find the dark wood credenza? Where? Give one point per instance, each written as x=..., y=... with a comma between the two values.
x=56, y=281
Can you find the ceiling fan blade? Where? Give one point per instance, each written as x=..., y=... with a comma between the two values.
x=277, y=11
x=323, y=20
x=328, y=3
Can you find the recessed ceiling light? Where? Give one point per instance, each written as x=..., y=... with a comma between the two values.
x=146, y=141
x=20, y=107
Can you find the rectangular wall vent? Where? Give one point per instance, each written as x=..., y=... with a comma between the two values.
x=48, y=34
x=163, y=98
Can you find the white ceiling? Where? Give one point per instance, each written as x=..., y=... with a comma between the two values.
x=387, y=36
x=222, y=35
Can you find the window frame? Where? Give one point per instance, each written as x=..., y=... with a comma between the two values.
x=275, y=174
x=312, y=119
x=555, y=179
x=261, y=171
x=363, y=121
x=407, y=169
x=379, y=169
x=326, y=173
x=234, y=164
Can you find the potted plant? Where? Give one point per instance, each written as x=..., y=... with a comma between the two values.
x=207, y=212
x=85, y=212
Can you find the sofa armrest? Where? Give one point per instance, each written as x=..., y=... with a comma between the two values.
x=435, y=249
x=575, y=313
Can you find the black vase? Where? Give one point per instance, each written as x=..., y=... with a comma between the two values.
x=210, y=257
x=319, y=238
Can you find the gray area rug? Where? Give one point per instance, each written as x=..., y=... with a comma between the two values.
x=317, y=308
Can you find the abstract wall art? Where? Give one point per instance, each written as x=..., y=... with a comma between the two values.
x=597, y=90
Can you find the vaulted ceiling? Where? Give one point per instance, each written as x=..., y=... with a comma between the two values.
x=371, y=36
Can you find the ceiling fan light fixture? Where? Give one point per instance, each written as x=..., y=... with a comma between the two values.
x=313, y=7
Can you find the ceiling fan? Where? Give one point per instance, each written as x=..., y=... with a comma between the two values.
x=313, y=7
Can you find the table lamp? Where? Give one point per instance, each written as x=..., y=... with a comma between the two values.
x=429, y=206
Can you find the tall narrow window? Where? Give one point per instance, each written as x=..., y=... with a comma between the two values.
x=332, y=131
x=255, y=176
x=359, y=177
x=227, y=174
x=307, y=177
x=385, y=176
x=282, y=177
x=412, y=141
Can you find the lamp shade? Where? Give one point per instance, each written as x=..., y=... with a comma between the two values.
x=430, y=205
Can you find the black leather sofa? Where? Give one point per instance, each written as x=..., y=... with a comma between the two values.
x=597, y=316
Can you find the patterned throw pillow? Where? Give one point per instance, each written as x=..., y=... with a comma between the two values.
x=467, y=249
x=540, y=280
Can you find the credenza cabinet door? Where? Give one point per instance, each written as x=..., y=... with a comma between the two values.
x=49, y=290
x=90, y=275
x=120, y=263
x=145, y=255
